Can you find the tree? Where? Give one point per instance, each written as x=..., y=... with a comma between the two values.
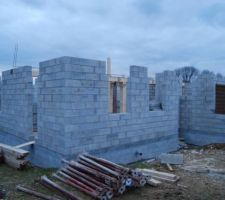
x=187, y=73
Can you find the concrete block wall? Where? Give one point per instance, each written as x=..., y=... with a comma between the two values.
x=138, y=90
x=16, y=108
x=168, y=91
x=199, y=124
x=73, y=114
x=72, y=92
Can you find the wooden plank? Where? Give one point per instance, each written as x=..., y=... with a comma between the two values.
x=159, y=175
x=169, y=167
x=35, y=72
x=153, y=182
x=118, y=79
x=13, y=162
x=25, y=144
x=161, y=178
x=14, y=152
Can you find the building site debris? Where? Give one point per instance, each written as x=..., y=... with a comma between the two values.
x=50, y=184
x=206, y=161
x=15, y=163
x=31, y=143
x=81, y=186
x=98, y=177
x=36, y=194
x=153, y=182
x=12, y=151
x=176, y=159
x=169, y=167
x=161, y=176
x=13, y=156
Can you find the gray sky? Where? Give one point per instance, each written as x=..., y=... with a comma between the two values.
x=160, y=34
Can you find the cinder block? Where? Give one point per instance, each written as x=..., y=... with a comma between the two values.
x=72, y=83
x=177, y=159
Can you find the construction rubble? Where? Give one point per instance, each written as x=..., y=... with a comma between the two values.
x=98, y=178
x=15, y=156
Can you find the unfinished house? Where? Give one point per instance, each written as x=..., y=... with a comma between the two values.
x=75, y=111
x=72, y=105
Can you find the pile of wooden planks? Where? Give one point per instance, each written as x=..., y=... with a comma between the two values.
x=159, y=176
x=14, y=156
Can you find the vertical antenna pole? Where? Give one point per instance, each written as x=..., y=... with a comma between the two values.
x=15, y=55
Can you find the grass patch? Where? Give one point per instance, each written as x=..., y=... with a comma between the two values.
x=10, y=178
x=139, y=165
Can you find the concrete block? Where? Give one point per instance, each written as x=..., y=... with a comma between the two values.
x=72, y=83
x=176, y=159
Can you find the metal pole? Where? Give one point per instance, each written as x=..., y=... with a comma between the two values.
x=89, y=181
x=51, y=184
x=100, y=166
x=34, y=193
x=78, y=186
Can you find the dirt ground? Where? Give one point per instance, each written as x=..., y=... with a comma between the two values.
x=202, y=177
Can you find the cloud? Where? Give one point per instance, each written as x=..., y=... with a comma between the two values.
x=163, y=34
x=214, y=15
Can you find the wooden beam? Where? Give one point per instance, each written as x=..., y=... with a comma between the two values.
x=169, y=167
x=162, y=176
x=110, y=97
x=158, y=173
x=118, y=79
x=35, y=72
x=123, y=97
x=13, y=162
x=14, y=152
x=153, y=182
x=25, y=144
